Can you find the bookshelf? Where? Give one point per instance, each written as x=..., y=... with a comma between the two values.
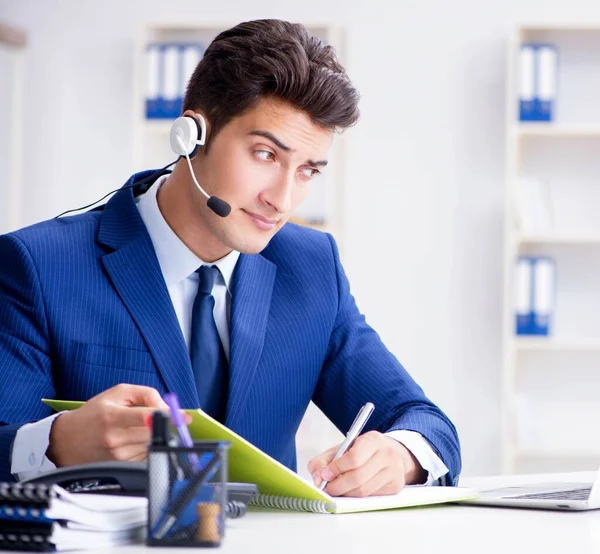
x=549, y=384
x=13, y=42
x=322, y=210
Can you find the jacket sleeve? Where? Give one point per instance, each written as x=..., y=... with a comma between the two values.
x=359, y=369
x=26, y=367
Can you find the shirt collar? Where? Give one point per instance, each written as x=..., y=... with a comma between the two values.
x=176, y=260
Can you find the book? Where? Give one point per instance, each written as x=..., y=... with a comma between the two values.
x=281, y=488
x=41, y=517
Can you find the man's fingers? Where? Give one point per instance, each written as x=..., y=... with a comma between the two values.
x=126, y=394
x=361, y=451
x=319, y=463
x=380, y=482
x=131, y=453
x=138, y=395
x=391, y=487
x=322, y=459
x=355, y=478
x=122, y=416
x=119, y=437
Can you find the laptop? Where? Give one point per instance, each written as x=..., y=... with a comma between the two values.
x=549, y=496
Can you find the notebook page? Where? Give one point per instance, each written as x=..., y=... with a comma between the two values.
x=409, y=496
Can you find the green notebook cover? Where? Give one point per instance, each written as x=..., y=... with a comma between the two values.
x=247, y=464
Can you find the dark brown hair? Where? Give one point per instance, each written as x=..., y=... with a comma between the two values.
x=271, y=58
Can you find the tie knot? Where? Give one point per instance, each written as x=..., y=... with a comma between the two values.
x=208, y=275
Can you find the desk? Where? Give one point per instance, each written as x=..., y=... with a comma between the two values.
x=435, y=530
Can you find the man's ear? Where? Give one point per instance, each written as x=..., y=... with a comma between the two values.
x=201, y=124
x=195, y=115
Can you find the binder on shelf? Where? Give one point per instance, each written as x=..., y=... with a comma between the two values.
x=169, y=67
x=527, y=83
x=191, y=54
x=534, y=295
x=546, y=79
x=524, y=295
x=153, y=74
x=169, y=95
x=538, y=78
x=543, y=295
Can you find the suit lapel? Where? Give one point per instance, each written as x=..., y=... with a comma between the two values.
x=137, y=278
x=252, y=291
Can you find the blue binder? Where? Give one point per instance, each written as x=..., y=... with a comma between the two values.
x=524, y=295
x=526, y=83
x=170, y=105
x=538, y=70
x=543, y=295
x=153, y=75
x=546, y=82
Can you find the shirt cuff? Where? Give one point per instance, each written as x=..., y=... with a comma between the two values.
x=29, y=449
x=423, y=452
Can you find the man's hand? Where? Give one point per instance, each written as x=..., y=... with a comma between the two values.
x=109, y=426
x=374, y=465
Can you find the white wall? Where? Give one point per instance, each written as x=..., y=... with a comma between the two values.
x=425, y=167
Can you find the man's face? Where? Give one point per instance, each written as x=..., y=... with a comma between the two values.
x=262, y=164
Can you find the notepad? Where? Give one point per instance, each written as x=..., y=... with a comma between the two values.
x=281, y=488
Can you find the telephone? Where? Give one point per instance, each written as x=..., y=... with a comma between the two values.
x=124, y=478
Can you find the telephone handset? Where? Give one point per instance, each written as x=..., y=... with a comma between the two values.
x=125, y=478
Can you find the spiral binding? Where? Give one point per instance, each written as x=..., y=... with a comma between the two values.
x=235, y=509
x=286, y=503
x=26, y=493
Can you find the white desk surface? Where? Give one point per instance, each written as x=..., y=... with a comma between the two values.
x=438, y=529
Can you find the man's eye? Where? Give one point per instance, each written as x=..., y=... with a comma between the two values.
x=311, y=172
x=264, y=154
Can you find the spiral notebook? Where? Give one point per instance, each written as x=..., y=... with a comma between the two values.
x=46, y=518
x=281, y=488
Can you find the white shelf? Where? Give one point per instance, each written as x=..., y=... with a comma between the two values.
x=556, y=130
x=550, y=344
x=583, y=239
x=563, y=155
x=559, y=27
x=557, y=453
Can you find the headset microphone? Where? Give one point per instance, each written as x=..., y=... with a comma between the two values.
x=187, y=135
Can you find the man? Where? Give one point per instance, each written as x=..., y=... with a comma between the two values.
x=244, y=315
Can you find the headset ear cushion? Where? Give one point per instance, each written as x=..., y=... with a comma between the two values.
x=187, y=129
x=198, y=135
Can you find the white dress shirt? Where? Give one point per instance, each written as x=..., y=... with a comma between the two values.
x=178, y=265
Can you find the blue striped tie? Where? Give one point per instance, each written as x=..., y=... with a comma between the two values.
x=208, y=358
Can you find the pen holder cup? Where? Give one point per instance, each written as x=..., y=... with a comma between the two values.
x=187, y=494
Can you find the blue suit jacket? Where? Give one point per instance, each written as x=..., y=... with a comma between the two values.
x=83, y=307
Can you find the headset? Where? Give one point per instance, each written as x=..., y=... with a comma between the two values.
x=186, y=137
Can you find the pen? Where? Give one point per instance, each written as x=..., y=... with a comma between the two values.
x=357, y=426
x=182, y=430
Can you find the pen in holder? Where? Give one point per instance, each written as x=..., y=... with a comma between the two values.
x=187, y=493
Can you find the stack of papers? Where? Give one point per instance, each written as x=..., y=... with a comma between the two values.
x=50, y=518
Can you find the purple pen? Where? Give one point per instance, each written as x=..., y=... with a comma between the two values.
x=182, y=430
